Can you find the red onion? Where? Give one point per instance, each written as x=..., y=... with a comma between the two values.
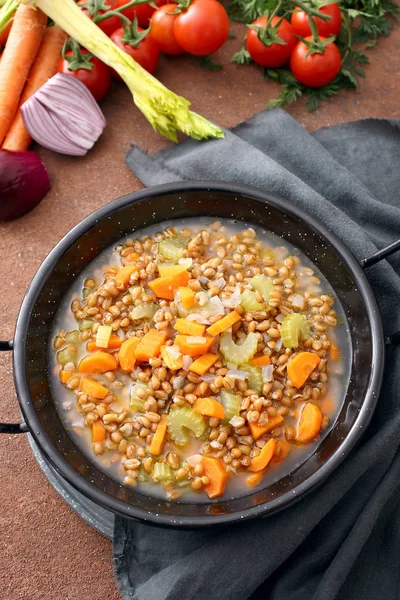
x=24, y=182
x=63, y=116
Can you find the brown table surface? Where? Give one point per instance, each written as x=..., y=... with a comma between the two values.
x=47, y=552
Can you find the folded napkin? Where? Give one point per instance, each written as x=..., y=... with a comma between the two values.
x=342, y=541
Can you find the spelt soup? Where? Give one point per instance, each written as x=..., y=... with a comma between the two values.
x=200, y=359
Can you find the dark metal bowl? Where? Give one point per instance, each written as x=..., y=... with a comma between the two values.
x=131, y=213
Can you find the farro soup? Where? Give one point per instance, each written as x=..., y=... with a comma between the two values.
x=199, y=359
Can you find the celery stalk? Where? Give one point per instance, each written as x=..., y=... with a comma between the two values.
x=7, y=11
x=167, y=112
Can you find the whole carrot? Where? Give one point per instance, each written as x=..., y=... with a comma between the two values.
x=25, y=37
x=44, y=67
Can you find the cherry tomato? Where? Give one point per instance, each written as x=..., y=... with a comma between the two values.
x=97, y=80
x=202, y=28
x=302, y=27
x=108, y=25
x=315, y=70
x=162, y=29
x=143, y=12
x=274, y=55
x=146, y=53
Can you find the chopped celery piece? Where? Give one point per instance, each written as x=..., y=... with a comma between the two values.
x=144, y=311
x=238, y=354
x=181, y=419
x=231, y=404
x=85, y=292
x=73, y=337
x=167, y=112
x=103, y=336
x=294, y=328
x=213, y=307
x=136, y=403
x=133, y=288
x=143, y=476
x=85, y=324
x=249, y=302
x=163, y=472
x=171, y=248
x=254, y=380
x=68, y=354
x=263, y=284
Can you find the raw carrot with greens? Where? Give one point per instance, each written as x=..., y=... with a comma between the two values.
x=301, y=366
x=215, y=470
x=23, y=42
x=224, y=323
x=203, y=363
x=93, y=388
x=258, y=431
x=44, y=67
x=99, y=362
x=113, y=343
x=159, y=436
x=194, y=345
x=309, y=424
x=126, y=354
x=263, y=360
x=187, y=297
x=261, y=461
x=189, y=327
x=150, y=345
x=209, y=407
x=98, y=432
x=164, y=287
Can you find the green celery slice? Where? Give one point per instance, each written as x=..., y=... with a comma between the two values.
x=66, y=355
x=73, y=337
x=294, y=328
x=85, y=324
x=263, y=284
x=238, y=354
x=163, y=472
x=254, y=380
x=180, y=420
x=249, y=302
x=144, y=311
x=231, y=404
x=171, y=248
x=136, y=403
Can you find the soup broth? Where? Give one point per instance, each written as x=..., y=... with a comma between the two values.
x=244, y=405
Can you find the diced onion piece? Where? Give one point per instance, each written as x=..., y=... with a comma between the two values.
x=103, y=336
x=186, y=262
x=199, y=318
x=237, y=374
x=298, y=302
x=236, y=421
x=219, y=283
x=187, y=361
x=173, y=351
x=234, y=300
x=278, y=344
x=203, y=280
x=178, y=382
x=209, y=377
x=117, y=408
x=214, y=307
x=267, y=373
x=280, y=318
x=196, y=339
x=194, y=460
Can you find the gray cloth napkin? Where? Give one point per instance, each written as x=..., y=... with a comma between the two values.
x=342, y=541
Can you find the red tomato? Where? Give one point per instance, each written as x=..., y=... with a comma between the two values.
x=108, y=25
x=315, y=70
x=143, y=12
x=202, y=28
x=274, y=55
x=146, y=53
x=162, y=29
x=302, y=27
x=97, y=80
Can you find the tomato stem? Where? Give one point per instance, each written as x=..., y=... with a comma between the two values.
x=132, y=35
x=77, y=60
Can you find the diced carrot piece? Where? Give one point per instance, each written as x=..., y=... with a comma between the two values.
x=193, y=349
x=215, y=470
x=132, y=257
x=224, y=323
x=65, y=376
x=189, y=327
x=258, y=431
x=187, y=297
x=203, y=363
x=98, y=432
x=113, y=343
x=98, y=362
x=150, y=345
x=262, y=360
x=209, y=407
x=301, y=366
x=255, y=478
x=126, y=354
x=157, y=442
x=282, y=450
x=310, y=423
x=164, y=287
x=93, y=388
x=334, y=352
x=123, y=275
x=261, y=461
x=172, y=363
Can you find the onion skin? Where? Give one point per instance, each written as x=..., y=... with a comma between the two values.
x=24, y=182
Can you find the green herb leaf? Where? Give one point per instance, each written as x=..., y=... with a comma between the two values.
x=207, y=63
x=242, y=57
